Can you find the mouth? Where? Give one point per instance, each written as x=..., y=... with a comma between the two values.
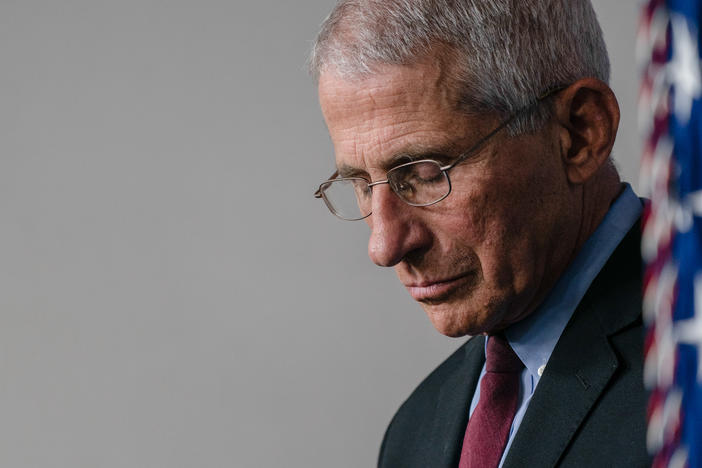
x=432, y=292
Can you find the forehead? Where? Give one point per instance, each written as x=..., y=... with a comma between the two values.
x=389, y=85
x=398, y=109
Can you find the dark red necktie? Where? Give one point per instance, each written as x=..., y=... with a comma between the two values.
x=488, y=427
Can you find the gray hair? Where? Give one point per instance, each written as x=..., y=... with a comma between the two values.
x=504, y=53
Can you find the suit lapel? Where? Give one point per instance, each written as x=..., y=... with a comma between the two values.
x=452, y=407
x=566, y=392
x=582, y=363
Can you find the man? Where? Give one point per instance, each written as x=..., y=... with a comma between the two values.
x=474, y=138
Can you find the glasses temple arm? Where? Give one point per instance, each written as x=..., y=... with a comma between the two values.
x=318, y=192
x=480, y=143
x=506, y=122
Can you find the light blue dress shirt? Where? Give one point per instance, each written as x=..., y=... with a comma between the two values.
x=534, y=338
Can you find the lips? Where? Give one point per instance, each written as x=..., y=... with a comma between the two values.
x=436, y=291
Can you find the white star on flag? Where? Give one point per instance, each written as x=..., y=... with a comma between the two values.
x=684, y=68
x=690, y=331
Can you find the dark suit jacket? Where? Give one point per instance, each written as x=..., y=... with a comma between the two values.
x=589, y=406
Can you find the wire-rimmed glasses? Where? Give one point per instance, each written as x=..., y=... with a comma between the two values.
x=417, y=183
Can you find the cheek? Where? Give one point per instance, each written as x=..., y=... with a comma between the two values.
x=480, y=217
x=502, y=227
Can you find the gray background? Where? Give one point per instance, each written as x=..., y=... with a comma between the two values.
x=171, y=295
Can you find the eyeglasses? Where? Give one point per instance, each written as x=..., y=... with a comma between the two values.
x=417, y=183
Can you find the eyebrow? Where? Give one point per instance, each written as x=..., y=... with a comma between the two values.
x=441, y=153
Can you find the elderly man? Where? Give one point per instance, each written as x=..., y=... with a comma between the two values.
x=474, y=138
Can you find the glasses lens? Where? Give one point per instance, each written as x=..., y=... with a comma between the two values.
x=419, y=183
x=349, y=199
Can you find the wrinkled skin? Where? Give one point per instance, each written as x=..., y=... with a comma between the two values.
x=487, y=255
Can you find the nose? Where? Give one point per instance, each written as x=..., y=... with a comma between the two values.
x=396, y=228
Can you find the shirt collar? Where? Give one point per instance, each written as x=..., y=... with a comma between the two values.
x=535, y=337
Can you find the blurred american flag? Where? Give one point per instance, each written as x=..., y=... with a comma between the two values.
x=670, y=110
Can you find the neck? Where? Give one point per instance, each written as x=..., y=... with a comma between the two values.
x=596, y=197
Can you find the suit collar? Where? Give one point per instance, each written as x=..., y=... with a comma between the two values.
x=534, y=338
x=582, y=363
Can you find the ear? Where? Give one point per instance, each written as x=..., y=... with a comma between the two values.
x=588, y=114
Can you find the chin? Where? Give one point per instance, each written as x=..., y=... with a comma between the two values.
x=453, y=332
x=454, y=321
x=449, y=323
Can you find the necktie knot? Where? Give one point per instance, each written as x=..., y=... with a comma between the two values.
x=488, y=427
x=500, y=357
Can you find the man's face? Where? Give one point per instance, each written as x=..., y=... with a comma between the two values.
x=484, y=257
